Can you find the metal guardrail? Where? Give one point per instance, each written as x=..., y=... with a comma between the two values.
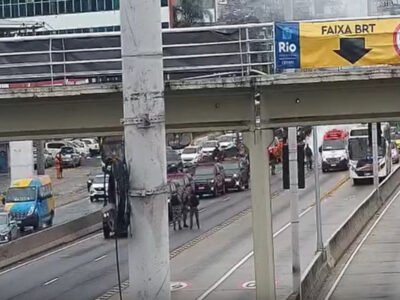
x=233, y=50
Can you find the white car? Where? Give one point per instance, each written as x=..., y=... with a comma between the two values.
x=226, y=141
x=191, y=155
x=81, y=147
x=54, y=147
x=208, y=147
x=94, y=148
x=96, y=187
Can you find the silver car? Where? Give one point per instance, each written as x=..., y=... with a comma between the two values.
x=8, y=228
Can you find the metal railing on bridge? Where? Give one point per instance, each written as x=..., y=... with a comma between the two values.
x=233, y=50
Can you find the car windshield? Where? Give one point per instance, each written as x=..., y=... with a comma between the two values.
x=210, y=144
x=204, y=172
x=67, y=150
x=333, y=145
x=225, y=139
x=231, y=167
x=21, y=194
x=3, y=219
x=55, y=145
x=100, y=179
x=189, y=151
x=172, y=156
x=359, y=149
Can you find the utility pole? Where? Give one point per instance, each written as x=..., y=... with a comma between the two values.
x=375, y=161
x=294, y=210
x=261, y=200
x=145, y=150
x=318, y=219
x=40, y=165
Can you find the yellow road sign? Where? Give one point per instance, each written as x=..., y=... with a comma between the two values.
x=349, y=43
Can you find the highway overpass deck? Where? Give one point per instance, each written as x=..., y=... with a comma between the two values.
x=371, y=269
x=298, y=98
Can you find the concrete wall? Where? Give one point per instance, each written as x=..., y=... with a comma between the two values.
x=339, y=242
x=49, y=238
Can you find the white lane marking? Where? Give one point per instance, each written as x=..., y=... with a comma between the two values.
x=203, y=209
x=226, y=199
x=100, y=258
x=50, y=281
x=226, y=276
x=50, y=253
x=244, y=260
x=349, y=261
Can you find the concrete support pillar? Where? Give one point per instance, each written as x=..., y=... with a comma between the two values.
x=257, y=142
x=40, y=160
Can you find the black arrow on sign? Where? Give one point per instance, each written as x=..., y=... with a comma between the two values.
x=352, y=49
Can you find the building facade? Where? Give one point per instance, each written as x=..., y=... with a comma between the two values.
x=72, y=16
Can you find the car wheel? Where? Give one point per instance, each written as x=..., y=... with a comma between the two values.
x=9, y=237
x=36, y=226
x=22, y=228
x=92, y=199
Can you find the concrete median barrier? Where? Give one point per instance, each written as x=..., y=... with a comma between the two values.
x=48, y=238
x=323, y=263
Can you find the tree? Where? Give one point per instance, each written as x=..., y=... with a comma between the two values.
x=190, y=12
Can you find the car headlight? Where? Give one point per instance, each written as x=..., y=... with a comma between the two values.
x=106, y=215
x=31, y=210
x=212, y=181
x=235, y=175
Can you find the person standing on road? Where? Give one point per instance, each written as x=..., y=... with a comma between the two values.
x=309, y=156
x=185, y=209
x=194, y=210
x=58, y=163
x=176, y=206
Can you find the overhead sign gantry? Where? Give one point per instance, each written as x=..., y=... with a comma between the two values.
x=326, y=44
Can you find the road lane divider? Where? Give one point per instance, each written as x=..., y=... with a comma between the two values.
x=49, y=238
x=324, y=262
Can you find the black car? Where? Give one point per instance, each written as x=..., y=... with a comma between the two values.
x=209, y=179
x=237, y=174
x=174, y=162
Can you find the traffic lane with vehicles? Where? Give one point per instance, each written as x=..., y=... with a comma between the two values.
x=87, y=269
x=72, y=187
x=202, y=272
x=372, y=268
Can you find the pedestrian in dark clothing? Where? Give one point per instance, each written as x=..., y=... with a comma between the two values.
x=176, y=206
x=309, y=155
x=194, y=210
x=185, y=208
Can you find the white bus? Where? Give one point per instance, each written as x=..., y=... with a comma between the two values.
x=360, y=154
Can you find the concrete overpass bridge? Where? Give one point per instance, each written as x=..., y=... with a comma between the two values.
x=207, y=104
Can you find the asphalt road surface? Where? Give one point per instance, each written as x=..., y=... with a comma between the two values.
x=86, y=270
